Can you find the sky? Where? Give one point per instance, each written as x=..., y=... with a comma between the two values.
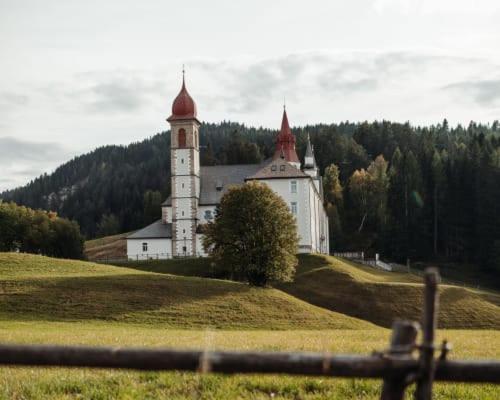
x=76, y=74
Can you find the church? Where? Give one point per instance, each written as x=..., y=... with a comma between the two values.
x=197, y=190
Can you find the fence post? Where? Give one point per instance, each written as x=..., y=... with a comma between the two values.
x=429, y=321
x=404, y=334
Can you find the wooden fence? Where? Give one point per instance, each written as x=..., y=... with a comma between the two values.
x=397, y=366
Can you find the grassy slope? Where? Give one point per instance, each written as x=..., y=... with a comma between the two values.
x=107, y=247
x=380, y=297
x=52, y=291
x=364, y=292
x=41, y=288
x=32, y=383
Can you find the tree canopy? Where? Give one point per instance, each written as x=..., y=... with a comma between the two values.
x=40, y=232
x=253, y=235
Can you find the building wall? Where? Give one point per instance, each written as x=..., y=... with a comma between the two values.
x=312, y=222
x=185, y=184
x=201, y=213
x=157, y=248
x=282, y=187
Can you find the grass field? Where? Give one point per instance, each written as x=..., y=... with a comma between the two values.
x=58, y=383
x=44, y=300
x=108, y=247
x=41, y=288
x=363, y=292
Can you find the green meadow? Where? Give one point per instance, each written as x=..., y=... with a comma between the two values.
x=332, y=306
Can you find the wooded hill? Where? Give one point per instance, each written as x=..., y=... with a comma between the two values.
x=433, y=194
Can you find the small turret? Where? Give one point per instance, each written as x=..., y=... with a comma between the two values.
x=310, y=167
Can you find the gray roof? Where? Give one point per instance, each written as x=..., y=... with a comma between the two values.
x=215, y=180
x=309, y=154
x=156, y=230
x=276, y=169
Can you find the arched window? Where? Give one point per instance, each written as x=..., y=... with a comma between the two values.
x=182, y=138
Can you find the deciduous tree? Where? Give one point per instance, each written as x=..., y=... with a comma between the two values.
x=253, y=235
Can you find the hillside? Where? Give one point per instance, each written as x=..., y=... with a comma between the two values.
x=108, y=247
x=380, y=297
x=45, y=289
x=364, y=292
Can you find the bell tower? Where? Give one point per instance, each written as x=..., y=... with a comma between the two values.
x=185, y=173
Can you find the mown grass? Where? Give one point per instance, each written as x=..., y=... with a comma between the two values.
x=107, y=247
x=44, y=300
x=364, y=292
x=380, y=297
x=40, y=288
x=60, y=383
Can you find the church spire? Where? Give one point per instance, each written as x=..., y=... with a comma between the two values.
x=309, y=160
x=285, y=142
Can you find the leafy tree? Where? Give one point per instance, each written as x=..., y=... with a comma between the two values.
x=334, y=203
x=379, y=184
x=253, y=235
x=39, y=232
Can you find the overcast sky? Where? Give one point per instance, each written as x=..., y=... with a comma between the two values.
x=78, y=74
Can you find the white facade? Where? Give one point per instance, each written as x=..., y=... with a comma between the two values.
x=305, y=202
x=185, y=185
x=149, y=249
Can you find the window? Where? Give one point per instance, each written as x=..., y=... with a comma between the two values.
x=144, y=247
x=293, y=186
x=208, y=214
x=273, y=167
x=282, y=167
x=183, y=186
x=183, y=213
x=293, y=206
x=182, y=161
x=182, y=138
x=184, y=249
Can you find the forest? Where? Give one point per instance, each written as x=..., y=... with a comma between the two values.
x=424, y=193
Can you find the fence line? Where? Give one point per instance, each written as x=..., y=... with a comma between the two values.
x=397, y=366
x=144, y=257
x=235, y=362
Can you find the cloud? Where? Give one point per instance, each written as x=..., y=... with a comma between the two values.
x=119, y=94
x=10, y=98
x=103, y=91
x=484, y=92
x=247, y=86
x=23, y=160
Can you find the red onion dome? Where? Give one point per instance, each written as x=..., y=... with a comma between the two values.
x=183, y=106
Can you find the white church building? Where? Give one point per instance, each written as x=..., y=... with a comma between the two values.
x=197, y=190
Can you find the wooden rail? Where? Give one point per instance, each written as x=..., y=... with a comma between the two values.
x=397, y=366
x=235, y=362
